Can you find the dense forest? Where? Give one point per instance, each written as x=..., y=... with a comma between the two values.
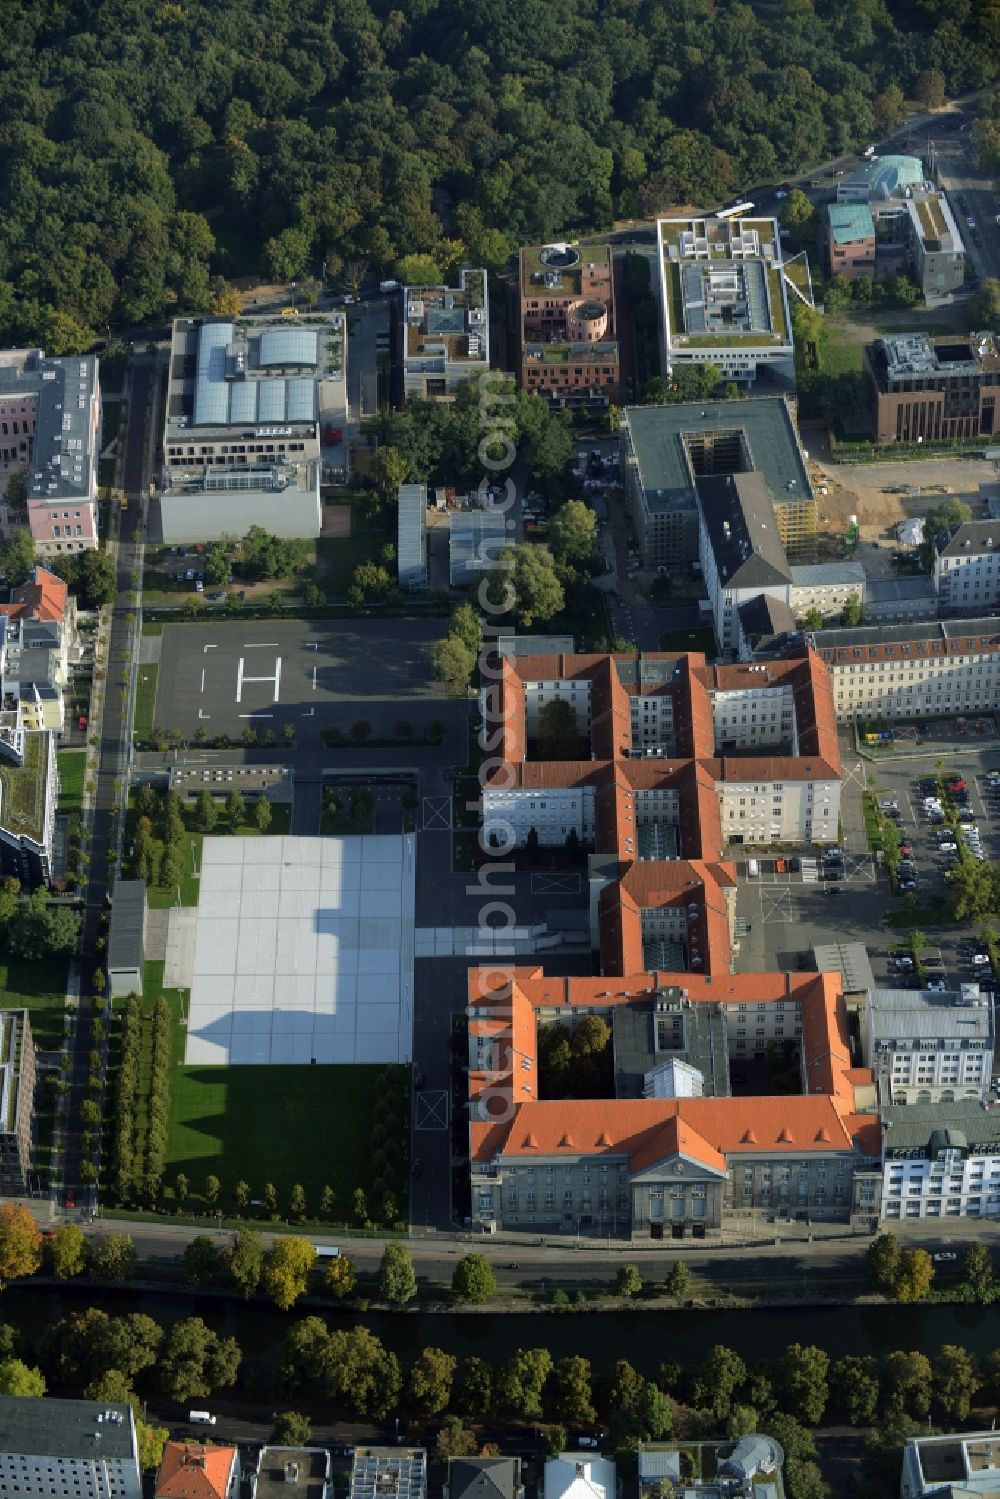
x=146, y=148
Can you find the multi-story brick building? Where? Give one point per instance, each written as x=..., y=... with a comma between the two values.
x=909, y=670
x=934, y=389
x=850, y=240
x=569, y=341
x=966, y=567
x=50, y=414
x=17, y=1101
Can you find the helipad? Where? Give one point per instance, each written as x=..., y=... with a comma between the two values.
x=303, y=952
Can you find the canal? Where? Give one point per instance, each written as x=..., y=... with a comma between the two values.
x=645, y=1338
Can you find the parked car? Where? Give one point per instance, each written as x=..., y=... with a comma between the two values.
x=944, y=1257
x=948, y=847
x=956, y=784
x=936, y=986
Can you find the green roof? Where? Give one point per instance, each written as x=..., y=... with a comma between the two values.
x=23, y=789
x=850, y=222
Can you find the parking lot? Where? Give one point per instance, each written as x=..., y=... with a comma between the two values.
x=782, y=916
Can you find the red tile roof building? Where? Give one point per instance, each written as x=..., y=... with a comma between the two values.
x=193, y=1470
x=650, y=1165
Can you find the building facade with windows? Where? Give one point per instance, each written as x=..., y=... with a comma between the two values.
x=50, y=416
x=909, y=670
x=68, y=1449
x=850, y=240
x=966, y=568
x=940, y=1161
x=255, y=408
x=954, y=1466
x=929, y=1048
x=934, y=389
x=17, y=1101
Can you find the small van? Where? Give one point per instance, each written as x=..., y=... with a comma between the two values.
x=753, y=869
x=201, y=1418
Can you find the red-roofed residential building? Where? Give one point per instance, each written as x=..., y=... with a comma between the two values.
x=196, y=1470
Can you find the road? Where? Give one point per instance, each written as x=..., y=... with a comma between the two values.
x=113, y=758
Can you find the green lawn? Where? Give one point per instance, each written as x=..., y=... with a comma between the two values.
x=145, y=702
x=72, y=764
x=159, y=899
x=277, y=1124
x=702, y=639
x=838, y=355
x=152, y=627
x=39, y=986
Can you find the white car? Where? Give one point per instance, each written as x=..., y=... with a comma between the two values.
x=936, y=986
x=980, y=960
x=971, y=223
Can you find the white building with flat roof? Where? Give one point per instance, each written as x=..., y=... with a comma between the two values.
x=67, y=1449
x=929, y=1048
x=958, y=1465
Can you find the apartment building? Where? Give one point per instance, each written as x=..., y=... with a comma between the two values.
x=934, y=389
x=850, y=240
x=929, y=1048
x=569, y=341
x=952, y=1466
x=909, y=670
x=293, y=1473
x=723, y=296
x=578, y=1475
x=68, y=1449
x=255, y=407
x=940, y=1161
x=667, y=452
x=483, y=1478
x=197, y=1470
x=445, y=336
x=966, y=567
x=388, y=1473
x=29, y=789
x=17, y=1101
x=50, y=416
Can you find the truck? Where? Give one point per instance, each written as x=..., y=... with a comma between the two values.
x=386, y=286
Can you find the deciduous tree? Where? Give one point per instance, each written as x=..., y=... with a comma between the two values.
x=473, y=1278
x=430, y=1381
x=397, y=1279
x=287, y=1265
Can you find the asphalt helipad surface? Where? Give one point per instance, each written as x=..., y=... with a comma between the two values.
x=223, y=677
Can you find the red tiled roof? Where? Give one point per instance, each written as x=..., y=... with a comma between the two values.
x=44, y=598
x=191, y=1470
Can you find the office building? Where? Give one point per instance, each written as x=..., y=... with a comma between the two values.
x=17, y=1101
x=850, y=240
x=411, y=537
x=723, y=297
x=934, y=389
x=255, y=407
x=881, y=178
x=929, y=1048
x=936, y=245
x=913, y=225
x=957, y=1465
x=445, y=335
x=68, y=1449
x=909, y=670
x=966, y=568
x=197, y=1470
x=940, y=1160
x=38, y=640
x=569, y=341
x=669, y=451
x=292, y=1473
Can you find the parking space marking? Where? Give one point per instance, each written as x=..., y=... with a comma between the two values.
x=431, y=1111
x=555, y=884
x=437, y=814
x=776, y=905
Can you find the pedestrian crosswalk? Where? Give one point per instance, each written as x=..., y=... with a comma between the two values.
x=810, y=871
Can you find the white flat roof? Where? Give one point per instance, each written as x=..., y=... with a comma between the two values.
x=303, y=952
